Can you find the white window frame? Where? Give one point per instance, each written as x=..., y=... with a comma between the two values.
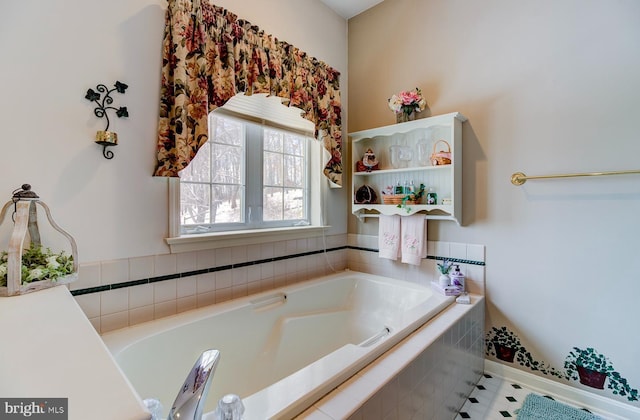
x=317, y=187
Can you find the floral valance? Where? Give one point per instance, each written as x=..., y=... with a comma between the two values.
x=209, y=55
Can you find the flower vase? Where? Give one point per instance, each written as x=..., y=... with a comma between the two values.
x=405, y=116
x=444, y=280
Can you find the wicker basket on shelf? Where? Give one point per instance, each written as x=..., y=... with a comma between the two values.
x=441, y=157
x=396, y=199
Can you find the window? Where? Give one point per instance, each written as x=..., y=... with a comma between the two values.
x=247, y=176
x=258, y=179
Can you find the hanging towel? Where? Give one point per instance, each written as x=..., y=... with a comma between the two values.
x=414, y=239
x=389, y=237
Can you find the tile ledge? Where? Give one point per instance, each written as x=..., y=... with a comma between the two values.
x=216, y=240
x=364, y=384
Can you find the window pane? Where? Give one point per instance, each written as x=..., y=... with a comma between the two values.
x=227, y=204
x=284, y=165
x=272, y=203
x=293, y=204
x=293, y=171
x=227, y=131
x=293, y=144
x=272, y=169
x=283, y=204
x=272, y=140
x=199, y=169
x=227, y=164
x=194, y=203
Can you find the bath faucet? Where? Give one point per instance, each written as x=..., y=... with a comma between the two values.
x=191, y=397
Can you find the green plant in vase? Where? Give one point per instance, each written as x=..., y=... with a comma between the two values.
x=444, y=268
x=413, y=197
x=38, y=264
x=592, y=369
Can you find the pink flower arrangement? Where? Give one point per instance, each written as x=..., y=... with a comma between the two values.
x=407, y=102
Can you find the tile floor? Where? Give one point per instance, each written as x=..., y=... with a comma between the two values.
x=494, y=398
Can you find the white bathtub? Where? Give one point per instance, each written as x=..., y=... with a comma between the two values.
x=280, y=350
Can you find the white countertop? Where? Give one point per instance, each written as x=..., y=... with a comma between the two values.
x=49, y=349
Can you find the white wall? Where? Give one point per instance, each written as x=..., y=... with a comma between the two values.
x=53, y=51
x=548, y=87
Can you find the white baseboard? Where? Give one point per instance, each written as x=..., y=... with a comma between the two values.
x=597, y=404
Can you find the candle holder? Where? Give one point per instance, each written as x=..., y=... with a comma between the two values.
x=107, y=138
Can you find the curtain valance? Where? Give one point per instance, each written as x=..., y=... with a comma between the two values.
x=209, y=55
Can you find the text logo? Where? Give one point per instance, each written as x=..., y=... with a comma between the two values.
x=34, y=408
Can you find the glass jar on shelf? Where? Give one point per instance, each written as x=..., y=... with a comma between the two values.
x=432, y=197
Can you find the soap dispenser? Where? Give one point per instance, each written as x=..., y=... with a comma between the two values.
x=457, y=278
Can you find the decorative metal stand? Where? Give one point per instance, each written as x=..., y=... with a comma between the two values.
x=107, y=138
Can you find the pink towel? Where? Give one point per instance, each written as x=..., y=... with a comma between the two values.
x=389, y=237
x=414, y=239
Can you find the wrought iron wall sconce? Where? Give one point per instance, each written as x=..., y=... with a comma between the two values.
x=107, y=138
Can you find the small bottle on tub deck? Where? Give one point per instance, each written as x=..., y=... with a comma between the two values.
x=457, y=278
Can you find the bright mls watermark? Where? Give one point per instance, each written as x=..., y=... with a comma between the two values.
x=34, y=408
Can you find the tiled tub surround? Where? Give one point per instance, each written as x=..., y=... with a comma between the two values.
x=363, y=256
x=427, y=376
x=119, y=293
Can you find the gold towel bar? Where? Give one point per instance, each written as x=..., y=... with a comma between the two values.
x=519, y=178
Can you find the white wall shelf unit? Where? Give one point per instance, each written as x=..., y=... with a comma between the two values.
x=415, y=139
